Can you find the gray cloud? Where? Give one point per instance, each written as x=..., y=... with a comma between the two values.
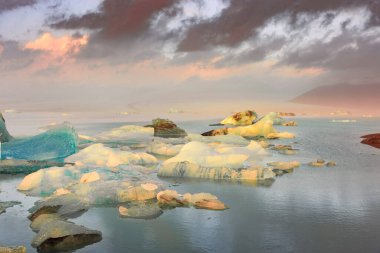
x=13, y=57
x=117, y=19
x=7, y=5
x=240, y=21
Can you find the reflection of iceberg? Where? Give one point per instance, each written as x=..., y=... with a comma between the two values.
x=343, y=121
x=56, y=143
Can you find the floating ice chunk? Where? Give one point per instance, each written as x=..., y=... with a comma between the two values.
x=59, y=180
x=145, y=211
x=100, y=155
x=219, y=156
x=171, y=199
x=112, y=186
x=61, y=191
x=65, y=206
x=58, y=236
x=240, y=119
x=56, y=143
x=282, y=135
x=264, y=127
x=127, y=134
x=202, y=154
x=42, y=219
x=163, y=149
x=191, y=170
x=284, y=167
x=227, y=139
x=90, y=177
x=5, y=205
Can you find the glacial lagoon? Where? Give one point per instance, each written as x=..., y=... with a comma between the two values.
x=313, y=209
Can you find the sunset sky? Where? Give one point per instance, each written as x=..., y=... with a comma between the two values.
x=199, y=57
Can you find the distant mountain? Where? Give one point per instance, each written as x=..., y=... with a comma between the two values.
x=364, y=97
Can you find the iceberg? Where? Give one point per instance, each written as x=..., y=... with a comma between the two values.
x=100, y=155
x=5, y=205
x=163, y=149
x=53, y=144
x=63, y=236
x=65, y=206
x=4, y=134
x=95, y=186
x=54, y=233
x=218, y=162
x=263, y=128
x=144, y=211
x=192, y=170
x=59, y=180
x=129, y=134
x=172, y=199
x=219, y=155
x=240, y=119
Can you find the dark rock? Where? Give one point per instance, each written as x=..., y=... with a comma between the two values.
x=167, y=129
x=372, y=140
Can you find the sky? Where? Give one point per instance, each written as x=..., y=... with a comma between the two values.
x=187, y=58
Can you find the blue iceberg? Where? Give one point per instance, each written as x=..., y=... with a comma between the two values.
x=54, y=144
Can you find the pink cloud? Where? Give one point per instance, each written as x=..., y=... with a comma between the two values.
x=57, y=47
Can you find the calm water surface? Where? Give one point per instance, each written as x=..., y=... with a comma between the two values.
x=333, y=209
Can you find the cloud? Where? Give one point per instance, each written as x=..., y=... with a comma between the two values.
x=241, y=20
x=7, y=5
x=117, y=18
x=63, y=46
x=14, y=57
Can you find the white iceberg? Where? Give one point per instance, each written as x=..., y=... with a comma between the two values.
x=100, y=155
x=127, y=134
x=163, y=149
x=93, y=185
x=221, y=155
